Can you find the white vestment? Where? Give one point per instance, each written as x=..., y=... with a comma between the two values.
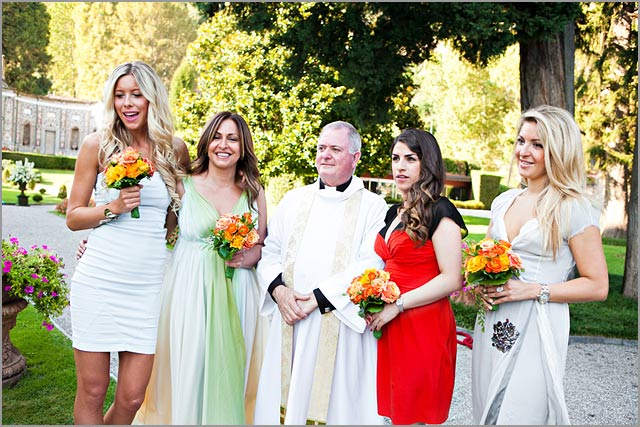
x=352, y=399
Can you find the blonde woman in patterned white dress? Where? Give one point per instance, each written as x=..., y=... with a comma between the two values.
x=519, y=359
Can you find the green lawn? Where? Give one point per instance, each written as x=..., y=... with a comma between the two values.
x=45, y=394
x=52, y=179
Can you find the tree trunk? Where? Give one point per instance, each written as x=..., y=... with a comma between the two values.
x=630, y=279
x=546, y=71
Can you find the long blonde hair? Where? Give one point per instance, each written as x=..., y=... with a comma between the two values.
x=116, y=137
x=565, y=169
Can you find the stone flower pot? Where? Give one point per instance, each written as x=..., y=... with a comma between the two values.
x=14, y=365
x=23, y=199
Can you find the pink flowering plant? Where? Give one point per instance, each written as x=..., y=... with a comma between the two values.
x=34, y=274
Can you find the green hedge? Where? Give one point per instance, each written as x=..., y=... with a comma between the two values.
x=485, y=187
x=468, y=204
x=42, y=161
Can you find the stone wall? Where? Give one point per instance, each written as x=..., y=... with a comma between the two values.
x=45, y=125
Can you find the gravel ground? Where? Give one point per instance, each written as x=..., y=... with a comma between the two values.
x=601, y=382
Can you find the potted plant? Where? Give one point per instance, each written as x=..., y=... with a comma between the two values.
x=22, y=175
x=34, y=276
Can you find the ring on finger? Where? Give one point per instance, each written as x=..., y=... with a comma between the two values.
x=499, y=289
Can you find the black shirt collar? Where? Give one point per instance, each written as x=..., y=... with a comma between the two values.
x=340, y=187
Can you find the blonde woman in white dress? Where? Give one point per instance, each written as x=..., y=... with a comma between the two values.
x=519, y=359
x=115, y=288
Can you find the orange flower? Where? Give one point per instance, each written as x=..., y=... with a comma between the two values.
x=130, y=155
x=514, y=260
x=243, y=230
x=252, y=239
x=231, y=234
x=372, y=289
x=390, y=293
x=497, y=264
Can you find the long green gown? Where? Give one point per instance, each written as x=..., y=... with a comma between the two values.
x=198, y=372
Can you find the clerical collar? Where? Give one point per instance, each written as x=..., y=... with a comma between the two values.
x=339, y=188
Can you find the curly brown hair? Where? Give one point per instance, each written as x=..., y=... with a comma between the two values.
x=425, y=192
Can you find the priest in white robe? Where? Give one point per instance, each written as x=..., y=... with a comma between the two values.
x=320, y=360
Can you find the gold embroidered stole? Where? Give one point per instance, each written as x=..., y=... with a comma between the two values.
x=330, y=325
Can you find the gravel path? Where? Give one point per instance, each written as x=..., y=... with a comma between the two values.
x=601, y=382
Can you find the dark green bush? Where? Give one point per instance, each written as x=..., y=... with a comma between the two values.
x=62, y=193
x=42, y=190
x=43, y=161
x=37, y=197
x=485, y=187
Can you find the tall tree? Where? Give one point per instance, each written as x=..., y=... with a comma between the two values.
x=62, y=70
x=109, y=33
x=480, y=129
x=630, y=279
x=25, y=34
x=607, y=87
x=369, y=47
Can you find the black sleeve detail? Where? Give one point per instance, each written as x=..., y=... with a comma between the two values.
x=392, y=212
x=324, y=305
x=445, y=209
x=276, y=282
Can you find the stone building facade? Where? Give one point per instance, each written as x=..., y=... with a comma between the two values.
x=44, y=124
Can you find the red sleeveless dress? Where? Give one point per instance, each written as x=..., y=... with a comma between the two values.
x=417, y=350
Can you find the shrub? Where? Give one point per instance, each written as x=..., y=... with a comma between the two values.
x=43, y=190
x=37, y=198
x=62, y=192
x=7, y=165
x=468, y=204
x=277, y=186
x=485, y=186
x=43, y=161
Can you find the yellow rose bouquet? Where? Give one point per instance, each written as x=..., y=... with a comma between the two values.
x=488, y=262
x=231, y=234
x=371, y=290
x=127, y=169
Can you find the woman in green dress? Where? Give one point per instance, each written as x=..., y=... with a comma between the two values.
x=199, y=368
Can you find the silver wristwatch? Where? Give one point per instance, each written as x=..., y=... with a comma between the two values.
x=400, y=304
x=543, y=297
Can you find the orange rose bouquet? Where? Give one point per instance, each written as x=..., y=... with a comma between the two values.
x=231, y=234
x=488, y=262
x=127, y=169
x=371, y=290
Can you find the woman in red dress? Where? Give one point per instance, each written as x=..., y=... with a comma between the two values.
x=420, y=244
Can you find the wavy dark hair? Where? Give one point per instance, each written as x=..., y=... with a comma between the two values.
x=426, y=191
x=247, y=167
